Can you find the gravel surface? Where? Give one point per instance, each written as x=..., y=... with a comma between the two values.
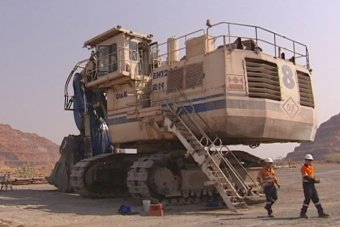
x=42, y=205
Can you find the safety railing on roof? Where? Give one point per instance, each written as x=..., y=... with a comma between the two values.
x=183, y=39
x=297, y=49
x=276, y=43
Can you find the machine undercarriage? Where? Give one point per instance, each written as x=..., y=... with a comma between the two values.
x=168, y=177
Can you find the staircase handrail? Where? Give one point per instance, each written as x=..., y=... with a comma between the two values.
x=237, y=175
x=242, y=167
x=209, y=141
x=205, y=136
x=207, y=153
x=186, y=100
x=225, y=177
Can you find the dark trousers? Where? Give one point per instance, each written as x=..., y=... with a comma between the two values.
x=271, y=196
x=310, y=193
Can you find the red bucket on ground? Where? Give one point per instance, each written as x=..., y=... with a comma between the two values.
x=156, y=209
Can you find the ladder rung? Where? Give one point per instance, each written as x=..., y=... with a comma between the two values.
x=195, y=143
x=195, y=146
x=188, y=134
x=208, y=183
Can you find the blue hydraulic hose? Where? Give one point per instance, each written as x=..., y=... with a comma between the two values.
x=78, y=101
x=100, y=135
x=101, y=140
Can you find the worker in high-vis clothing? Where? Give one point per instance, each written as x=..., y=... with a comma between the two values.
x=268, y=179
x=308, y=183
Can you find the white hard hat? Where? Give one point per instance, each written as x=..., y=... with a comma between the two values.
x=268, y=160
x=309, y=157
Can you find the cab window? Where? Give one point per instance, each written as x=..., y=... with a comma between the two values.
x=107, y=59
x=133, y=48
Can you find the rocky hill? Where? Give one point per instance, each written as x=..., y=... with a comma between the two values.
x=18, y=148
x=326, y=145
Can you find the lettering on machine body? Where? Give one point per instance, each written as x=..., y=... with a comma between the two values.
x=121, y=95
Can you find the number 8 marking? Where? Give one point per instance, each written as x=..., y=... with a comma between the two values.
x=288, y=79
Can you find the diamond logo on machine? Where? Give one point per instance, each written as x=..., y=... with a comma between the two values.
x=235, y=82
x=290, y=107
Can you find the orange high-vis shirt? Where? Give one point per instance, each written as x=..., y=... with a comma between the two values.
x=267, y=175
x=307, y=170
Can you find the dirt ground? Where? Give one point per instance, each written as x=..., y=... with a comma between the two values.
x=42, y=205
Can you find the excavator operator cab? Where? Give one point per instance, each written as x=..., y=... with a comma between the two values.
x=120, y=54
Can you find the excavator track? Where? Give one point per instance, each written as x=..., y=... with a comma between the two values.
x=141, y=179
x=101, y=176
x=138, y=175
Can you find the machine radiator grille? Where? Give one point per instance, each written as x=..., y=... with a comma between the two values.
x=305, y=88
x=263, y=79
x=175, y=79
x=193, y=75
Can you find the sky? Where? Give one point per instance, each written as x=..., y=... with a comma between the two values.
x=40, y=42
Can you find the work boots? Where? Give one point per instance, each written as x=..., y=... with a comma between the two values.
x=303, y=215
x=269, y=210
x=320, y=212
x=318, y=207
x=323, y=215
x=270, y=213
x=303, y=212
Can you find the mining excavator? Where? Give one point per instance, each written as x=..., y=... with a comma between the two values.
x=156, y=120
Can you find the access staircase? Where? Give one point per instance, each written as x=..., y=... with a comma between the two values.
x=209, y=153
